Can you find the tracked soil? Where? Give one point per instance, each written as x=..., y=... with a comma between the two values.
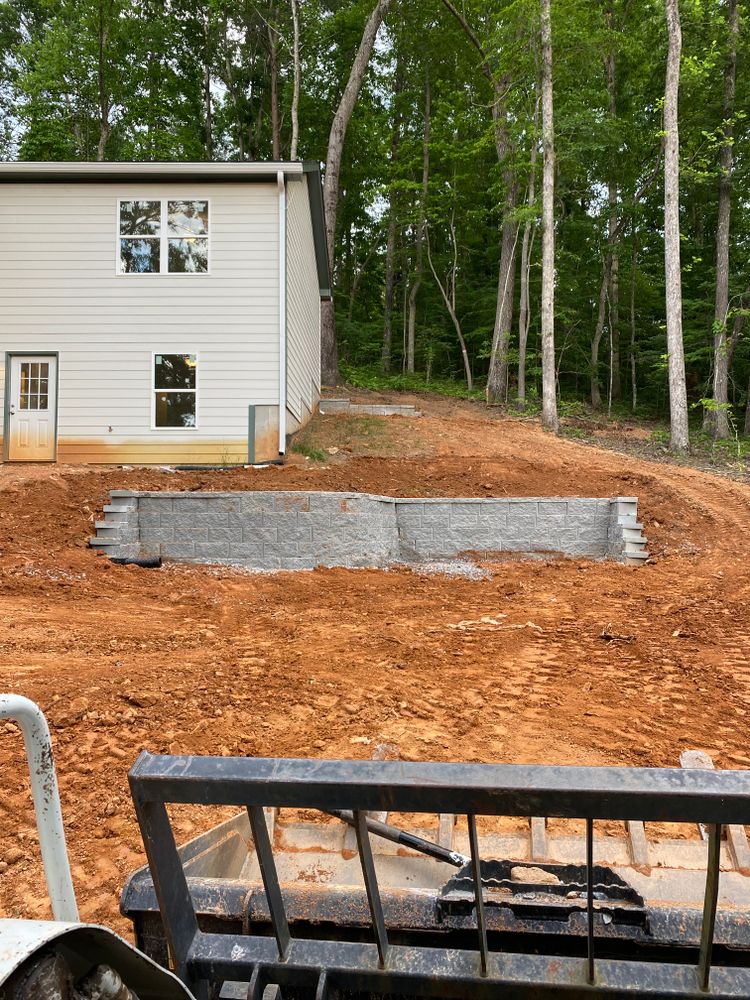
x=556, y=661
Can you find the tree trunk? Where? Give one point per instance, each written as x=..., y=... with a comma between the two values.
x=524, y=314
x=389, y=290
x=390, y=252
x=678, y=409
x=297, y=76
x=596, y=399
x=497, y=376
x=329, y=351
x=549, y=394
x=104, y=108
x=208, y=130
x=613, y=296
x=717, y=420
x=613, y=291
x=739, y=322
x=747, y=412
x=411, y=324
x=450, y=300
x=273, y=51
x=633, y=380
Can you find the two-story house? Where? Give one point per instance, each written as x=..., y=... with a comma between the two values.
x=159, y=312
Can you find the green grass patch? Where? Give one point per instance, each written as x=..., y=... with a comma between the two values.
x=314, y=454
x=370, y=377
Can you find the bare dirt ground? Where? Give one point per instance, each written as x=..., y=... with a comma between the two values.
x=333, y=662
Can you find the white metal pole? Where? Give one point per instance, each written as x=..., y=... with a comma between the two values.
x=281, y=183
x=49, y=823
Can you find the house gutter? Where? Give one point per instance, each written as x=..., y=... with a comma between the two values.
x=281, y=184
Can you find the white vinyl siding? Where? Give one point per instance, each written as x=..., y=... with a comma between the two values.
x=59, y=291
x=303, y=307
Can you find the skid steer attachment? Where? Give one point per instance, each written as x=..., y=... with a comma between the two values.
x=364, y=908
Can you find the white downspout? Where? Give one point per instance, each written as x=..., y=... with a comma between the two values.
x=281, y=183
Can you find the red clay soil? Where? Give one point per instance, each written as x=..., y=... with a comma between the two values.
x=331, y=663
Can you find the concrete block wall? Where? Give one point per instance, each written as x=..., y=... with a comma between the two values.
x=301, y=530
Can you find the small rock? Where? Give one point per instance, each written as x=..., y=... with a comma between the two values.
x=71, y=713
x=3, y=867
x=13, y=855
x=350, y=708
x=521, y=874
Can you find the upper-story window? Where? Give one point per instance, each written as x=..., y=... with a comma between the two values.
x=163, y=237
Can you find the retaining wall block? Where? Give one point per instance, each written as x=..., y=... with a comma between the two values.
x=247, y=550
x=269, y=530
x=292, y=502
x=147, y=505
x=208, y=551
x=177, y=550
x=157, y=535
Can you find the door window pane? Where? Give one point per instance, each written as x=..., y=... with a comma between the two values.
x=175, y=409
x=187, y=218
x=139, y=256
x=188, y=256
x=174, y=371
x=140, y=218
x=34, y=391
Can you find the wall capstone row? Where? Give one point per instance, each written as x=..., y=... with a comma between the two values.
x=301, y=530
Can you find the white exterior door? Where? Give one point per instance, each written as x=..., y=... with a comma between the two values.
x=32, y=408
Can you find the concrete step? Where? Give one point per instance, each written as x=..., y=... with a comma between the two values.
x=632, y=534
x=116, y=516
x=636, y=558
x=103, y=543
x=119, y=508
x=107, y=529
x=632, y=549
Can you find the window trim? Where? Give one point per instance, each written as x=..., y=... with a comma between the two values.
x=163, y=238
x=154, y=390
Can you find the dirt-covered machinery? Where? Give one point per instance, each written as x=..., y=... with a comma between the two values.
x=360, y=879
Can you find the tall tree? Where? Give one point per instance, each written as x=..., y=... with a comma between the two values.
x=678, y=408
x=337, y=136
x=718, y=415
x=549, y=379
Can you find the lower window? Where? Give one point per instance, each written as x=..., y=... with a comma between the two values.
x=175, y=390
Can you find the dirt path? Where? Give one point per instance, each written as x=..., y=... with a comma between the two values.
x=333, y=662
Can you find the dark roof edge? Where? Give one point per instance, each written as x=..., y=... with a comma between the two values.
x=311, y=169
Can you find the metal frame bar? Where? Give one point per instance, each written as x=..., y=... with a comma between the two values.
x=590, y=972
x=371, y=885
x=713, y=869
x=270, y=876
x=46, y=798
x=476, y=868
x=715, y=797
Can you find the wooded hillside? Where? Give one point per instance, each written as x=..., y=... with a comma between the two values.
x=436, y=202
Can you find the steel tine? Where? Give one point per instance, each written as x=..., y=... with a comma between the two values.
x=477, y=870
x=321, y=990
x=257, y=985
x=590, y=897
x=371, y=884
x=710, y=901
x=270, y=876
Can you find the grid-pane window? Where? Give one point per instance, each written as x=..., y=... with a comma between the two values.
x=163, y=237
x=34, y=385
x=175, y=390
x=140, y=237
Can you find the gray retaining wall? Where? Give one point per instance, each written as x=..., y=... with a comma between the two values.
x=328, y=406
x=301, y=530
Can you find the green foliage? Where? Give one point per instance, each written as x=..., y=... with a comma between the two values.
x=314, y=454
x=373, y=378
x=138, y=79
